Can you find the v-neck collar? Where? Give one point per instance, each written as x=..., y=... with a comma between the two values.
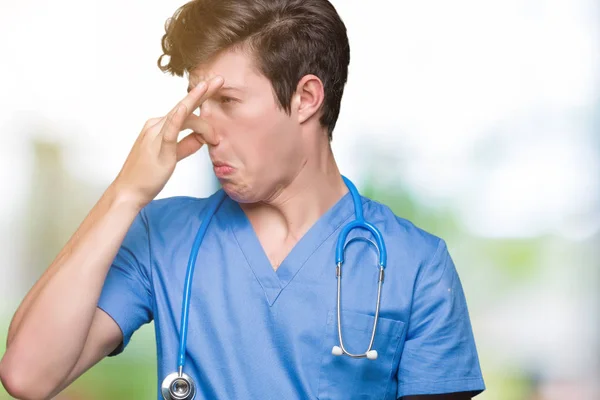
x=274, y=281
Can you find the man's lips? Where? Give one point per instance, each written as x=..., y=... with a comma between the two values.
x=222, y=169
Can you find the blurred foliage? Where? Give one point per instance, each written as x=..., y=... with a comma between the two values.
x=517, y=259
x=439, y=221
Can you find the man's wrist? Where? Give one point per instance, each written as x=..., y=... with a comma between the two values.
x=120, y=199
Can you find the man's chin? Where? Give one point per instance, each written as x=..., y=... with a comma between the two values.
x=235, y=191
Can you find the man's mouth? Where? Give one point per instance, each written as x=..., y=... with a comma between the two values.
x=222, y=169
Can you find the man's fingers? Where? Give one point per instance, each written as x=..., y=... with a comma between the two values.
x=189, y=145
x=201, y=127
x=152, y=121
x=172, y=125
x=192, y=101
x=201, y=92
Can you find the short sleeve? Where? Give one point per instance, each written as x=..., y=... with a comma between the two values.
x=439, y=354
x=126, y=295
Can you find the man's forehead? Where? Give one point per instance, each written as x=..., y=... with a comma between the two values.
x=234, y=66
x=227, y=85
x=201, y=74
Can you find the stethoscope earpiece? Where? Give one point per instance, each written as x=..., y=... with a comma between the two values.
x=337, y=351
x=371, y=354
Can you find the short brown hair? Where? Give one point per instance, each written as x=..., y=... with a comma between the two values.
x=288, y=39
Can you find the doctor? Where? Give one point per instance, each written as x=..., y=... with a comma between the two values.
x=267, y=78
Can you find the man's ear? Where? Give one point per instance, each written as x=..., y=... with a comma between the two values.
x=309, y=97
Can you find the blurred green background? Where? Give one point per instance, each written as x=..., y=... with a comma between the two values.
x=477, y=121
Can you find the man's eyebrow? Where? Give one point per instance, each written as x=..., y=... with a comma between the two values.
x=189, y=88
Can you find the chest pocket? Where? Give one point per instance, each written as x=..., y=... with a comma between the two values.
x=343, y=377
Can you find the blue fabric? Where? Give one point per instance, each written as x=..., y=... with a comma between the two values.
x=264, y=334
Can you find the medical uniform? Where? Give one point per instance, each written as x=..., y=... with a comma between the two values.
x=259, y=333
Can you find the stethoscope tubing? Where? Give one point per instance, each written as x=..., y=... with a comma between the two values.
x=359, y=222
x=210, y=212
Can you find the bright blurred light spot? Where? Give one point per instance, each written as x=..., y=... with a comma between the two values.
x=458, y=73
x=536, y=190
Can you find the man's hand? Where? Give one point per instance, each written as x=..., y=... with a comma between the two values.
x=156, y=151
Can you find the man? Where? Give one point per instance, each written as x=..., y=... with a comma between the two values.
x=268, y=78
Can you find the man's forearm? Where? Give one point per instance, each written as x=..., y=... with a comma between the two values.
x=50, y=327
x=108, y=200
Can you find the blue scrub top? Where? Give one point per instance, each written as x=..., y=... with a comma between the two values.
x=257, y=333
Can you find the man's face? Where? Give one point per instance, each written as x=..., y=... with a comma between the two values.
x=258, y=147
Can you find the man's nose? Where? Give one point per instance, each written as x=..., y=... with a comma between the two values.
x=209, y=135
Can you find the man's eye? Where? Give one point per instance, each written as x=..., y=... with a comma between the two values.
x=226, y=100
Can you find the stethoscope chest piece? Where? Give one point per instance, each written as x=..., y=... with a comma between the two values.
x=178, y=387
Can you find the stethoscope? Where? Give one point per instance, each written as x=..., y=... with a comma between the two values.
x=180, y=386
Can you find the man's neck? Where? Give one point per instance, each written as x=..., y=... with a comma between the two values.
x=290, y=213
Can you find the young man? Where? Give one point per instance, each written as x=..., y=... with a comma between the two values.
x=268, y=77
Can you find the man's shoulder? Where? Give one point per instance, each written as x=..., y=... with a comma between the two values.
x=401, y=231
x=173, y=210
x=174, y=202
x=410, y=248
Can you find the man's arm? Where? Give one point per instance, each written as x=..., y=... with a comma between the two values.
x=104, y=336
x=58, y=332
x=439, y=354
x=50, y=331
